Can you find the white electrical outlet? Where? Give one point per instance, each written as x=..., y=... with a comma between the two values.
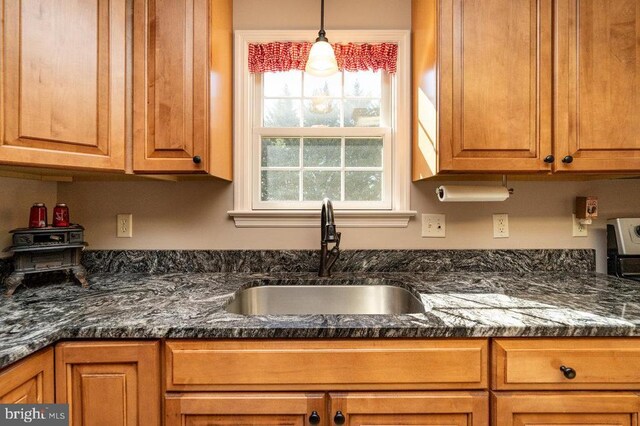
x=124, y=225
x=579, y=230
x=501, y=225
x=433, y=226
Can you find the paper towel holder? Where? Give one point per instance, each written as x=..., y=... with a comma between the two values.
x=440, y=191
x=506, y=185
x=474, y=193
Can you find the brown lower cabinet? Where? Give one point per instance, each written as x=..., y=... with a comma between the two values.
x=336, y=382
x=326, y=382
x=352, y=409
x=29, y=381
x=571, y=381
x=576, y=408
x=409, y=408
x=109, y=383
x=243, y=408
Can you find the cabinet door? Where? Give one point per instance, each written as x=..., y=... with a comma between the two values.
x=109, y=384
x=597, y=113
x=29, y=381
x=411, y=408
x=619, y=409
x=63, y=83
x=232, y=409
x=221, y=89
x=494, y=86
x=171, y=85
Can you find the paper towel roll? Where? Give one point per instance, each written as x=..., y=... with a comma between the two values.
x=453, y=193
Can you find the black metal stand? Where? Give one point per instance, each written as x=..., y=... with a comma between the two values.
x=45, y=250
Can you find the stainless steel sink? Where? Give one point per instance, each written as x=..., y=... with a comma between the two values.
x=325, y=299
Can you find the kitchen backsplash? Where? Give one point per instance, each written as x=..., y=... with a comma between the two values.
x=166, y=261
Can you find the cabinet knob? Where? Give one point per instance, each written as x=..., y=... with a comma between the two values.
x=339, y=418
x=314, y=418
x=567, y=160
x=197, y=159
x=568, y=372
x=549, y=159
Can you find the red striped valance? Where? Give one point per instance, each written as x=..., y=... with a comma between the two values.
x=286, y=56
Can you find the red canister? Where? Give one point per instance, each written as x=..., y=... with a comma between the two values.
x=38, y=216
x=61, y=215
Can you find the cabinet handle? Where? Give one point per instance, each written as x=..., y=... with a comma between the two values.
x=568, y=372
x=549, y=159
x=339, y=418
x=567, y=160
x=314, y=418
x=197, y=159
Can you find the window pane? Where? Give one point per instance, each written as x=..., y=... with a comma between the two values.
x=280, y=152
x=366, y=84
x=321, y=152
x=280, y=185
x=363, y=186
x=321, y=112
x=322, y=86
x=363, y=152
x=361, y=113
x=282, y=84
x=284, y=112
x=319, y=184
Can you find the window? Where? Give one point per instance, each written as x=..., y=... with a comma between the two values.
x=322, y=137
x=300, y=138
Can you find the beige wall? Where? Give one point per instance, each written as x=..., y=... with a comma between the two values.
x=339, y=14
x=16, y=198
x=193, y=215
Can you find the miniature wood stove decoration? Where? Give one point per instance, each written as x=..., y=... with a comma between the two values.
x=37, y=250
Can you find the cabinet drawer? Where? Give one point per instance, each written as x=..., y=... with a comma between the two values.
x=535, y=363
x=326, y=364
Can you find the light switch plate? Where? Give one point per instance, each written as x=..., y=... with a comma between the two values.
x=433, y=226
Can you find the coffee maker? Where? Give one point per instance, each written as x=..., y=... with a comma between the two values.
x=623, y=248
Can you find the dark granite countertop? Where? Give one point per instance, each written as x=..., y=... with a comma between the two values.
x=191, y=305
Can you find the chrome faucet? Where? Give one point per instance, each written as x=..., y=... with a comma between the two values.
x=328, y=235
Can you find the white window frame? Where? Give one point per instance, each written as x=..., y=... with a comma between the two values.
x=250, y=213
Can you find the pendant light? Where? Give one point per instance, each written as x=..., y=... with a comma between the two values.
x=322, y=59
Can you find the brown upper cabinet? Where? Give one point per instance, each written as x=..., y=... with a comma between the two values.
x=493, y=94
x=182, y=92
x=482, y=91
x=83, y=88
x=63, y=86
x=597, y=93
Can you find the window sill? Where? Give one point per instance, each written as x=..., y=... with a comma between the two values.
x=311, y=219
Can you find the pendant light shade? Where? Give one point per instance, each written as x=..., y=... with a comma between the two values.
x=322, y=59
